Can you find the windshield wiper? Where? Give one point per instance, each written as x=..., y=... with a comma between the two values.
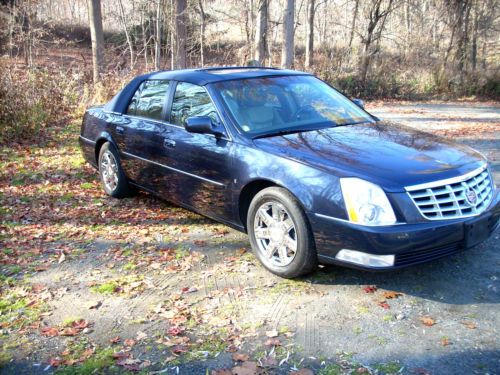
x=354, y=123
x=284, y=132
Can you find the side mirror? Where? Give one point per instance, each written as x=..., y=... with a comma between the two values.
x=202, y=125
x=359, y=103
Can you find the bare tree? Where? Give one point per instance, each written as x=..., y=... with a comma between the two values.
x=353, y=24
x=311, y=10
x=180, y=58
x=127, y=34
x=287, y=50
x=378, y=10
x=202, y=32
x=97, y=36
x=261, y=47
x=158, y=35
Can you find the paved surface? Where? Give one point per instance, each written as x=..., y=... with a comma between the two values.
x=331, y=315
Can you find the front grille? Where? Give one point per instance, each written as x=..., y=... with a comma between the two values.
x=454, y=198
x=421, y=256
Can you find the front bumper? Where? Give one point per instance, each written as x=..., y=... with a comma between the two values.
x=410, y=243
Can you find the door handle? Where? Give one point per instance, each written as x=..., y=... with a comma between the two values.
x=170, y=143
x=120, y=129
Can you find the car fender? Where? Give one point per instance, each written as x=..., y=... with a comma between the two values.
x=316, y=190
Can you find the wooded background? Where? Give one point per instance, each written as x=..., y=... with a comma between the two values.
x=404, y=49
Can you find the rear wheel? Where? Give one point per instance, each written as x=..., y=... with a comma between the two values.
x=280, y=234
x=112, y=176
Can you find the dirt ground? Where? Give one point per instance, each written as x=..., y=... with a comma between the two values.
x=91, y=284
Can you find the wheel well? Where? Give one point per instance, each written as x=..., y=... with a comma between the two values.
x=247, y=194
x=98, y=146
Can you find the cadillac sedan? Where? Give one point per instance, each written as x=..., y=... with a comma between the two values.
x=306, y=172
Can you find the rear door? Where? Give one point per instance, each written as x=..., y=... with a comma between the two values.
x=138, y=134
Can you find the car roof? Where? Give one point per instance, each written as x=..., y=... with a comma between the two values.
x=200, y=76
x=203, y=76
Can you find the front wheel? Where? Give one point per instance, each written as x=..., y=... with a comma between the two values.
x=112, y=176
x=280, y=234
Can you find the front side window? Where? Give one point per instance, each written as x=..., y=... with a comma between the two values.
x=271, y=105
x=189, y=101
x=149, y=99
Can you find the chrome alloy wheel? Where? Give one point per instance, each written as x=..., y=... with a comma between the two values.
x=275, y=234
x=109, y=170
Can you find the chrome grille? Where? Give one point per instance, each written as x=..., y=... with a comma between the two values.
x=453, y=198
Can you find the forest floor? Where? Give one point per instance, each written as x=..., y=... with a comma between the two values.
x=91, y=284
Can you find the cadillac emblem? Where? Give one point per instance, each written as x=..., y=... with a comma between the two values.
x=470, y=197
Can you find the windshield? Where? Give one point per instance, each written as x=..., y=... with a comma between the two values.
x=274, y=105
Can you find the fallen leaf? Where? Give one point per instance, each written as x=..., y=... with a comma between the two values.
x=302, y=371
x=49, y=331
x=80, y=324
x=120, y=355
x=95, y=305
x=240, y=357
x=272, y=333
x=175, y=331
x=428, y=321
x=273, y=342
x=222, y=371
x=420, y=371
x=470, y=325
x=390, y=294
x=445, y=341
x=69, y=331
x=114, y=340
x=269, y=362
x=246, y=368
x=179, y=349
x=55, y=362
x=370, y=289
x=384, y=305
x=129, y=342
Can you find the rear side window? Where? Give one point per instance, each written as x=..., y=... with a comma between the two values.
x=149, y=99
x=191, y=100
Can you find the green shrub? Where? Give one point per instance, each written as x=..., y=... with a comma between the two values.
x=32, y=100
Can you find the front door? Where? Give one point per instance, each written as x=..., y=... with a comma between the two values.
x=201, y=162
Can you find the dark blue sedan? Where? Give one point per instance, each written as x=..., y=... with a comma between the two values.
x=306, y=172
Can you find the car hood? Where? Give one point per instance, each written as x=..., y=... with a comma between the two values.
x=390, y=155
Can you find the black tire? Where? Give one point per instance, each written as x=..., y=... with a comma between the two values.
x=122, y=188
x=305, y=259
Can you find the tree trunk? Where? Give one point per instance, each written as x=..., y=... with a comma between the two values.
x=310, y=34
x=353, y=25
x=127, y=34
x=180, y=34
x=158, y=36
x=287, y=48
x=202, y=33
x=261, y=32
x=377, y=18
x=473, y=54
x=97, y=36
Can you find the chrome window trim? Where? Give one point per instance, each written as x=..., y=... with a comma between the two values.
x=448, y=181
x=177, y=126
x=173, y=169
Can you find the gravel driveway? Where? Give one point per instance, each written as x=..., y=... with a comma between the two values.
x=439, y=318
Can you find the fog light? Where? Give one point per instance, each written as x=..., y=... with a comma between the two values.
x=365, y=259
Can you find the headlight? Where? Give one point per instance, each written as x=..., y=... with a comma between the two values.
x=366, y=203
